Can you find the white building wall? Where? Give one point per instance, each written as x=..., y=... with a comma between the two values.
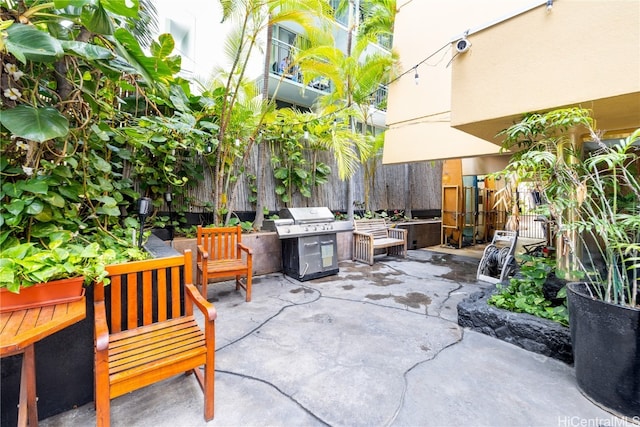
x=200, y=36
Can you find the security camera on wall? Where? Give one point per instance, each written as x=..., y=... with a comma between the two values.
x=463, y=45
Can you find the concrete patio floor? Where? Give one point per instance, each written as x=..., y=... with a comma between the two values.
x=371, y=346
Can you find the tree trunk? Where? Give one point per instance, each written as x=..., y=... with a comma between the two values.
x=262, y=150
x=353, y=21
x=569, y=249
x=407, y=190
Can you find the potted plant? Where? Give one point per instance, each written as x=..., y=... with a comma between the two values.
x=31, y=276
x=594, y=198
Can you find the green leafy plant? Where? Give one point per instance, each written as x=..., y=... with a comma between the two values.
x=27, y=264
x=340, y=216
x=398, y=216
x=593, y=198
x=525, y=294
x=69, y=94
x=294, y=158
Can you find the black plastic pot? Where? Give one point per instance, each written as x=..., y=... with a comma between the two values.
x=606, y=351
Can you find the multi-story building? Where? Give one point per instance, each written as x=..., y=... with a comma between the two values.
x=200, y=34
x=483, y=64
x=519, y=56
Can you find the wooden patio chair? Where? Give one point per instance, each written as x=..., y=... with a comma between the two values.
x=220, y=254
x=145, y=330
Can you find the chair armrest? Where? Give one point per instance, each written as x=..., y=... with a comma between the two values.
x=362, y=233
x=207, y=309
x=100, y=327
x=202, y=252
x=245, y=248
x=398, y=233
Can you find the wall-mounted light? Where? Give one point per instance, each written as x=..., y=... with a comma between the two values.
x=416, y=77
x=208, y=149
x=306, y=135
x=549, y=5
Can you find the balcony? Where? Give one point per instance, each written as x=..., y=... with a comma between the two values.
x=286, y=81
x=380, y=98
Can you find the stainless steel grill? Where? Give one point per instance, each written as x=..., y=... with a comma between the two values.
x=309, y=241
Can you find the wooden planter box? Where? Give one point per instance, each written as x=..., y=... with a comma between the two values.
x=42, y=294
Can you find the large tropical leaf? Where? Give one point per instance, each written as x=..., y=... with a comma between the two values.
x=87, y=51
x=36, y=124
x=163, y=47
x=128, y=8
x=152, y=69
x=61, y=4
x=97, y=20
x=26, y=42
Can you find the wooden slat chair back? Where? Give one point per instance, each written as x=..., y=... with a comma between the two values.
x=372, y=234
x=145, y=330
x=221, y=254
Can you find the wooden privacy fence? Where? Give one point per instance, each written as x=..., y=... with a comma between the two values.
x=388, y=190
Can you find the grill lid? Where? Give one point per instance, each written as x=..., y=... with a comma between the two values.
x=299, y=222
x=307, y=215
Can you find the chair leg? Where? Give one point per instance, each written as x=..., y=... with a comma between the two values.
x=203, y=288
x=249, y=278
x=103, y=403
x=238, y=284
x=209, y=373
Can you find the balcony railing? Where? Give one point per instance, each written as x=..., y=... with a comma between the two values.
x=385, y=40
x=380, y=98
x=342, y=18
x=282, y=51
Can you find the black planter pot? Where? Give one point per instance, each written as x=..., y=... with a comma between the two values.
x=606, y=351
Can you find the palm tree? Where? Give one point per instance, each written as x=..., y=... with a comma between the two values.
x=321, y=14
x=254, y=17
x=379, y=18
x=378, y=23
x=355, y=77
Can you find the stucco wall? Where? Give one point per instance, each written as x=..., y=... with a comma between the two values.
x=418, y=115
x=582, y=52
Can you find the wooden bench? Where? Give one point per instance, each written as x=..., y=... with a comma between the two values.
x=372, y=234
x=145, y=330
x=220, y=254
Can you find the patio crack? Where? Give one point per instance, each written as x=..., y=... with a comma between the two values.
x=395, y=414
x=320, y=295
x=270, y=318
x=283, y=393
x=300, y=405
x=456, y=283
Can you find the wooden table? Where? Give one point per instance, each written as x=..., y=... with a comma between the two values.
x=20, y=330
